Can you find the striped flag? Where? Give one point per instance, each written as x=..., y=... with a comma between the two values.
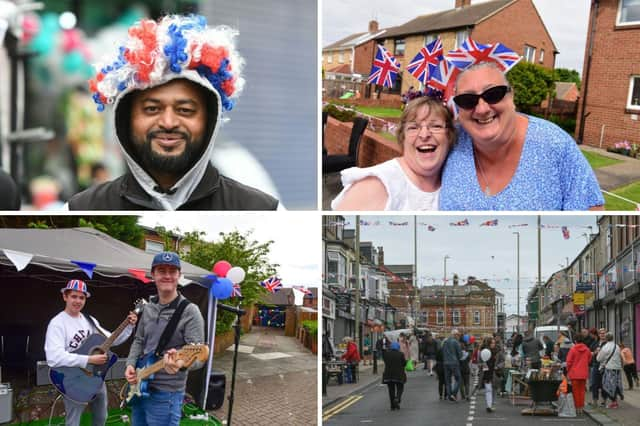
x=565, y=233
x=460, y=223
x=236, y=290
x=493, y=222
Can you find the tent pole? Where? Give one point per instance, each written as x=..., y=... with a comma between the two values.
x=211, y=321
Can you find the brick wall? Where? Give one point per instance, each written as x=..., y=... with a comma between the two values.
x=608, y=86
x=363, y=58
x=373, y=149
x=413, y=44
x=515, y=26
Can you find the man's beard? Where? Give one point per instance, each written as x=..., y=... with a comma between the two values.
x=176, y=165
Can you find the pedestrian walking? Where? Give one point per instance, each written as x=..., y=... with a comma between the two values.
x=352, y=357
x=430, y=349
x=596, y=373
x=629, y=366
x=578, y=360
x=610, y=359
x=451, y=356
x=394, y=375
x=439, y=369
x=414, y=349
x=488, y=360
x=404, y=346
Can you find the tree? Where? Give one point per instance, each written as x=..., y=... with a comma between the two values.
x=239, y=249
x=531, y=84
x=123, y=228
x=564, y=74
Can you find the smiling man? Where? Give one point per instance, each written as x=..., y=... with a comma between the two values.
x=170, y=85
x=155, y=337
x=505, y=160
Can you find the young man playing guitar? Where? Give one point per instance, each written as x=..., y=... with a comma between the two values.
x=65, y=334
x=163, y=405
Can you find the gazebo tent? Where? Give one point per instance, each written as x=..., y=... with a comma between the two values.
x=31, y=296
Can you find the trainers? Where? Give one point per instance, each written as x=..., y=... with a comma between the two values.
x=614, y=404
x=490, y=409
x=452, y=398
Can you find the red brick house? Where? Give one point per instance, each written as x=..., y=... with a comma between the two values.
x=352, y=54
x=609, y=108
x=514, y=23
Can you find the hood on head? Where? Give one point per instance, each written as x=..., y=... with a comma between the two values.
x=155, y=53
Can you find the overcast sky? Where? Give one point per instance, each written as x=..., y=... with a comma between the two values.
x=481, y=251
x=565, y=20
x=297, y=242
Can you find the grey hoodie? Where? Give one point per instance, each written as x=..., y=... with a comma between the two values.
x=154, y=318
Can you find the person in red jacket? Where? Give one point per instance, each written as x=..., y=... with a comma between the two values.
x=352, y=357
x=578, y=360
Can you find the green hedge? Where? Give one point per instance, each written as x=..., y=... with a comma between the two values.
x=311, y=326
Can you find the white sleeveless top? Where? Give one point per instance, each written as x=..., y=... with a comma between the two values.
x=402, y=193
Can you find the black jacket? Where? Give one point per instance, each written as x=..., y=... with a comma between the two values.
x=394, y=363
x=214, y=192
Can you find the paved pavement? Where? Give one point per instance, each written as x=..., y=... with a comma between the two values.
x=628, y=414
x=420, y=405
x=617, y=175
x=276, y=381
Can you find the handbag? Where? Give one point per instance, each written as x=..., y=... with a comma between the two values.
x=566, y=406
x=409, y=366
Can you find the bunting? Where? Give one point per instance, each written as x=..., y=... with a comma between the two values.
x=19, y=259
x=86, y=267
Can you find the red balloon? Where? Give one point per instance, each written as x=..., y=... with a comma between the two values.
x=472, y=339
x=221, y=267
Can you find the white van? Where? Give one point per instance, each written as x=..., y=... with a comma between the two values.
x=549, y=330
x=552, y=332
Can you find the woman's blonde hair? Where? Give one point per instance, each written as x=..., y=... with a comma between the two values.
x=434, y=106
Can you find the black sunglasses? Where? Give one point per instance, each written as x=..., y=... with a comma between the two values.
x=491, y=96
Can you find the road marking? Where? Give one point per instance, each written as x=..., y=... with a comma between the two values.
x=472, y=412
x=470, y=418
x=341, y=406
x=366, y=421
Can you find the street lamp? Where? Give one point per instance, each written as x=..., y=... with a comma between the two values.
x=444, y=287
x=518, y=277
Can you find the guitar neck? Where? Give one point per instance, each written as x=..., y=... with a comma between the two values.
x=153, y=368
x=109, y=341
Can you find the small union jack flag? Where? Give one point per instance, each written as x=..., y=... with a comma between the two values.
x=493, y=222
x=236, y=291
x=565, y=233
x=431, y=228
x=427, y=61
x=303, y=289
x=460, y=223
x=272, y=284
x=385, y=68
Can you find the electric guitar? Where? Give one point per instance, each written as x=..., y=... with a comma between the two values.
x=82, y=384
x=146, y=368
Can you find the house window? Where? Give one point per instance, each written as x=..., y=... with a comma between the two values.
x=529, y=53
x=153, y=246
x=634, y=93
x=335, y=268
x=330, y=58
x=399, y=47
x=541, y=55
x=440, y=317
x=341, y=57
x=629, y=12
x=476, y=317
x=461, y=36
x=456, y=316
x=429, y=38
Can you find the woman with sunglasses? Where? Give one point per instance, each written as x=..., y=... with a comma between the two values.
x=504, y=160
x=412, y=181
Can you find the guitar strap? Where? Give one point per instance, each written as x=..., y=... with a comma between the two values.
x=93, y=323
x=171, y=326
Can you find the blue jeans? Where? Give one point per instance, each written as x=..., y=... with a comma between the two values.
x=161, y=408
x=451, y=370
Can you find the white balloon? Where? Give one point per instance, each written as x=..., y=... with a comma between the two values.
x=236, y=274
x=485, y=355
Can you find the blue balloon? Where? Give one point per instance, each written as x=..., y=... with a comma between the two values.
x=465, y=338
x=222, y=288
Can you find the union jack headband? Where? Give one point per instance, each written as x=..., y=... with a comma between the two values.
x=176, y=45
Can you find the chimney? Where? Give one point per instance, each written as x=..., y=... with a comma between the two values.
x=373, y=26
x=462, y=3
x=380, y=256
